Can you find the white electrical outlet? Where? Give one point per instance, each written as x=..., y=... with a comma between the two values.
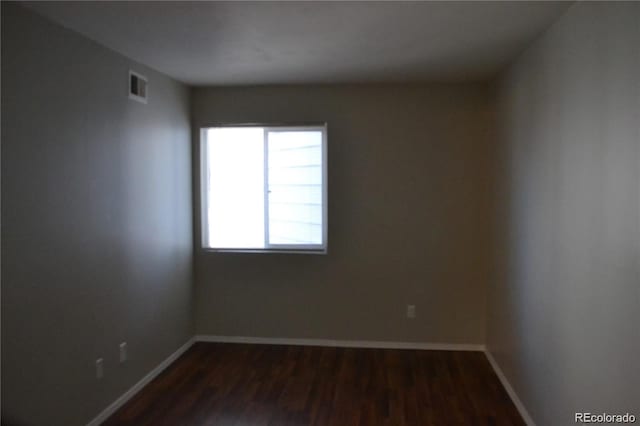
x=123, y=352
x=99, y=368
x=411, y=311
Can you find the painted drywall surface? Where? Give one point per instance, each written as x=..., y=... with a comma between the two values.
x=240, y=43
x=97, y=232
x=407, y=215
x=564, y=309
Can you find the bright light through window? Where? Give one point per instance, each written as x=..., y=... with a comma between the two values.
x=236, y=187
x=264, y=188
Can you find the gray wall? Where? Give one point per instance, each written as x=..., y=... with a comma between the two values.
x=96, y=211
x=564, y=309
x=407, y=218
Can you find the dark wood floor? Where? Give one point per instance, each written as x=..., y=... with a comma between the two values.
x=251, y=385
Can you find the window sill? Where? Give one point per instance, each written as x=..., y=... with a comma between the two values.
x=321, y=251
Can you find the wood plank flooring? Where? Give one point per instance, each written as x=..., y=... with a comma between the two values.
x=252, y=385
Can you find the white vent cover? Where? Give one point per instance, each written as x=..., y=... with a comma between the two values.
x=137, y=87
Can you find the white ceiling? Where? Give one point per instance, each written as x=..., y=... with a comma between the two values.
x=238, y=43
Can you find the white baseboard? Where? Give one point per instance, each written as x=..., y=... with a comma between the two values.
x=104, y=415
x=512, y=393
x=341, y=343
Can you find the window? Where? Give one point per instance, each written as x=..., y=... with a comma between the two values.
x=264, y=188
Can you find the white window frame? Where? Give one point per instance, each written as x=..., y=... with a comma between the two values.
x=269, y=248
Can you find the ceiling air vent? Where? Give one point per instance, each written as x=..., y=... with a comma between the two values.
x=137, y=87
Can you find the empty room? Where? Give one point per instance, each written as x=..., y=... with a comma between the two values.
x=261, y=213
